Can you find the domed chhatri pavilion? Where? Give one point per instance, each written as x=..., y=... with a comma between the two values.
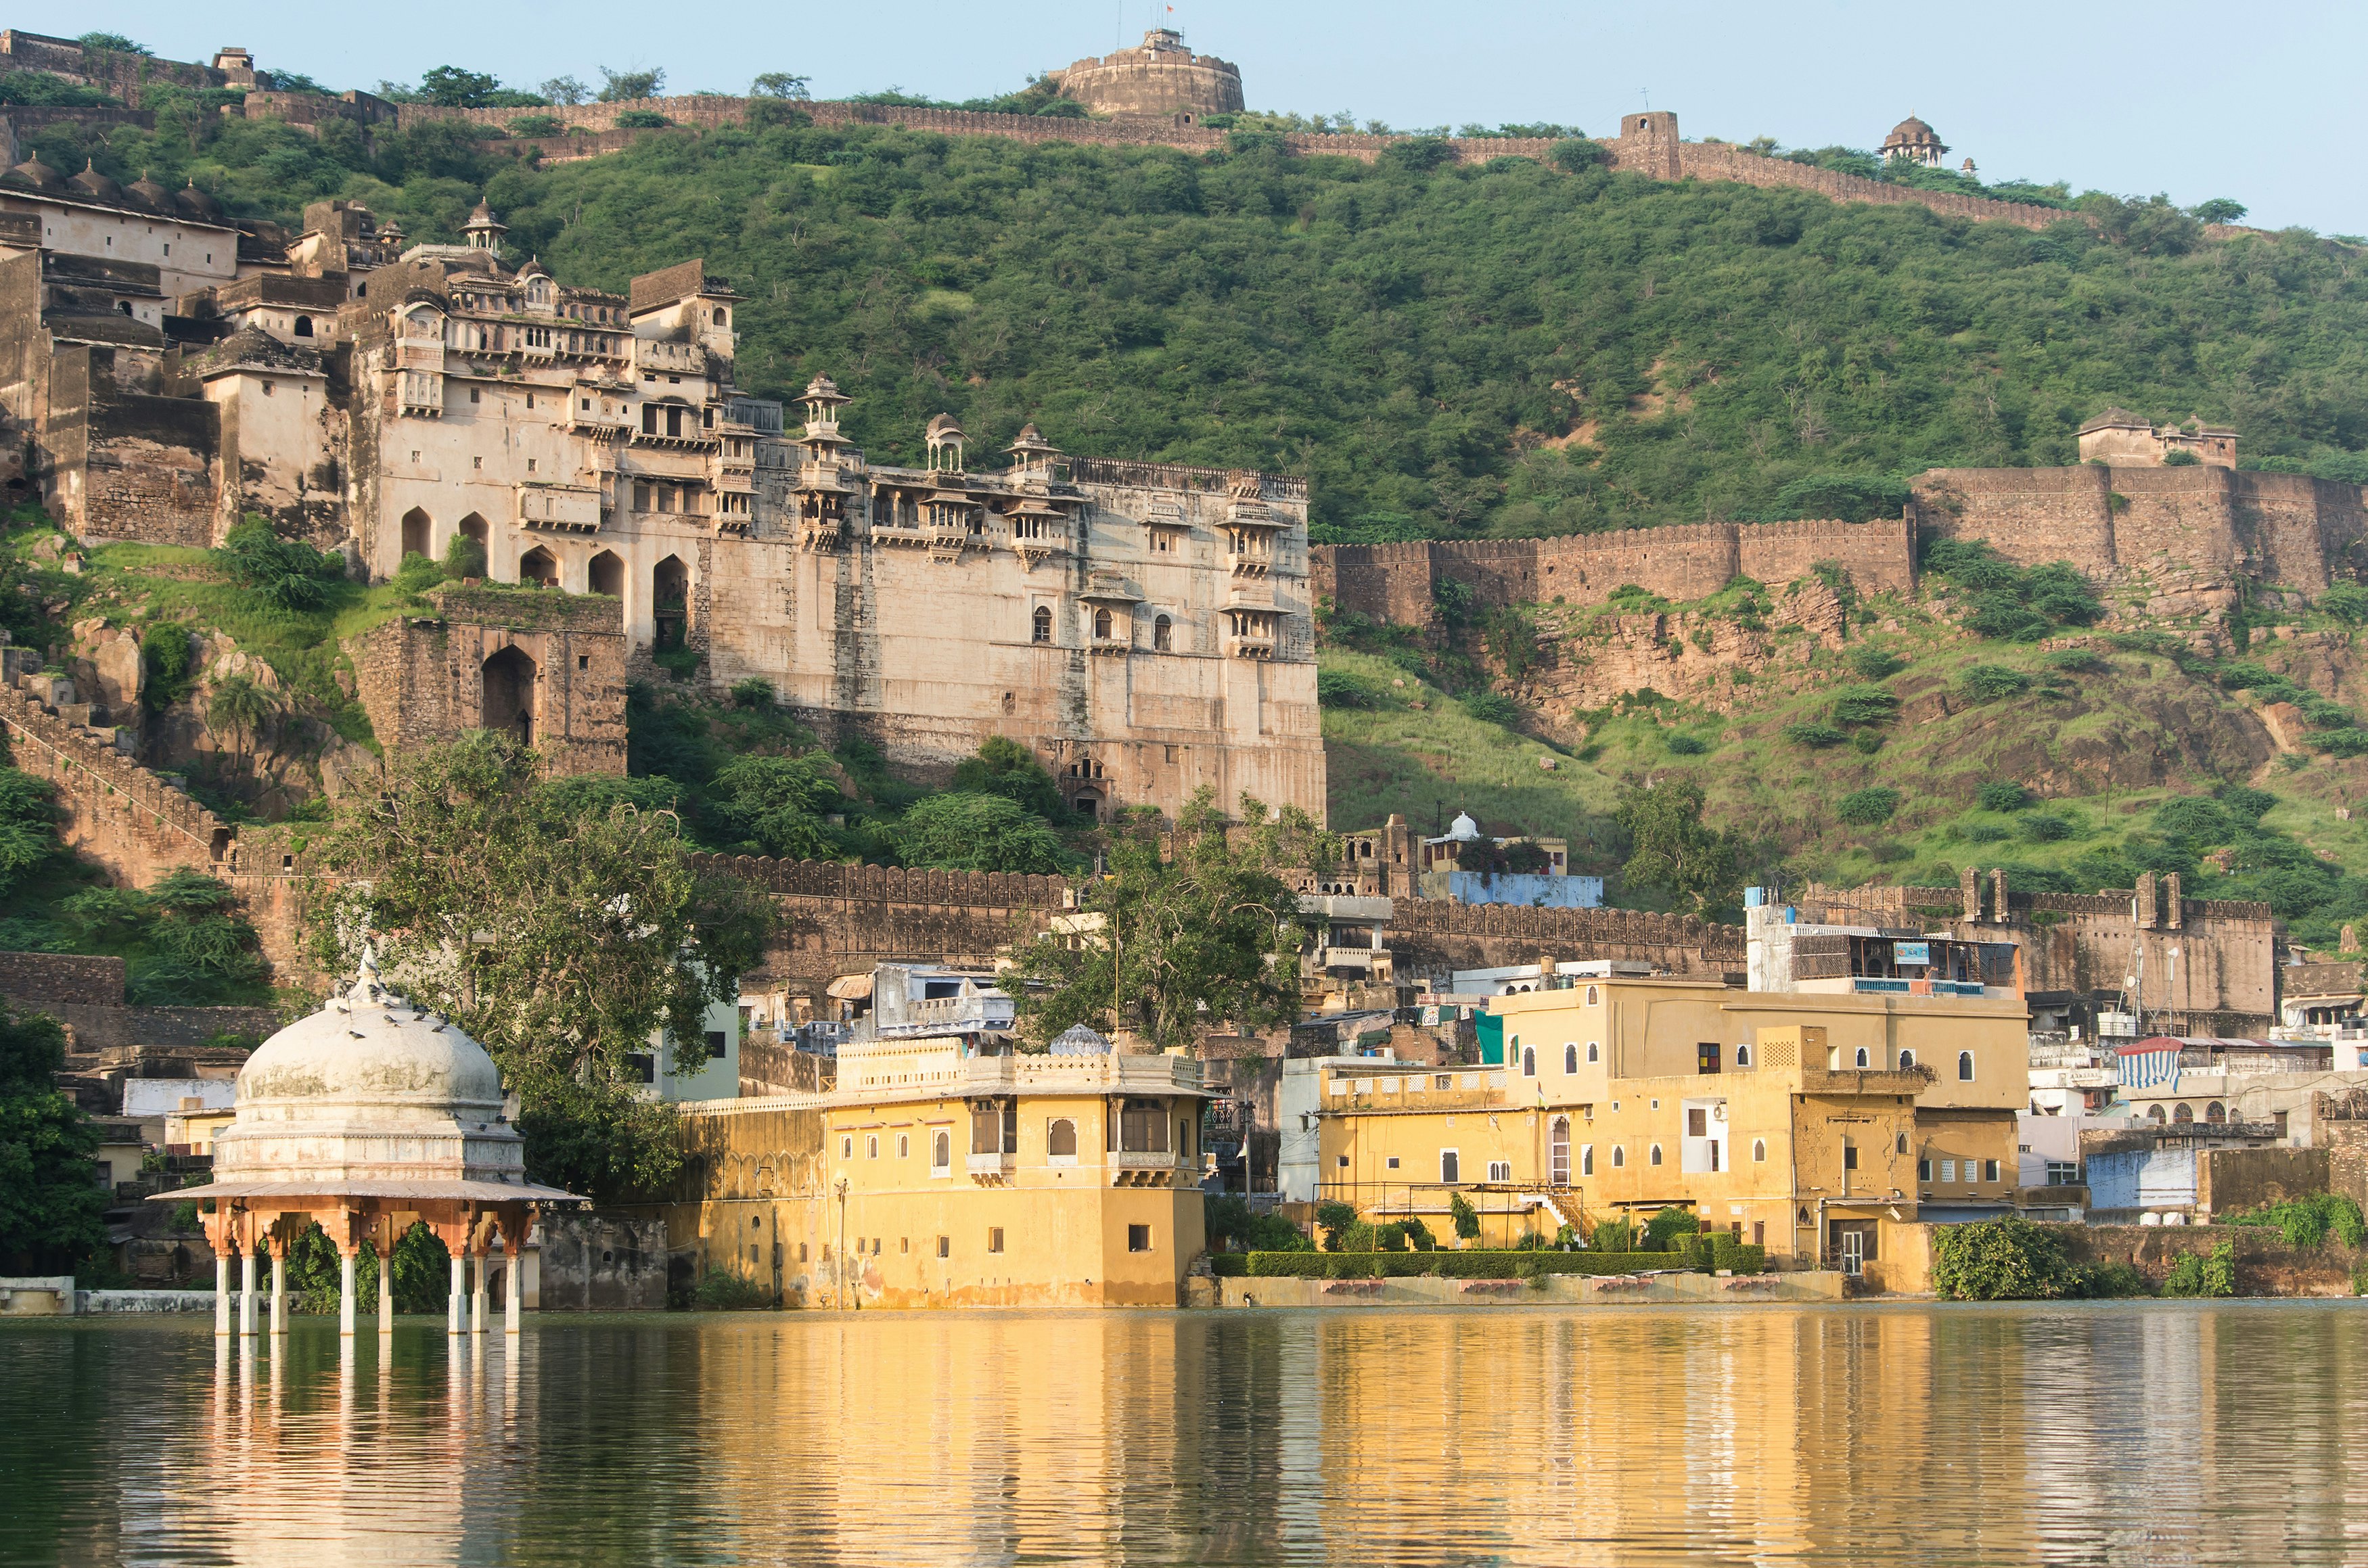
x=1913, y=142
x=367, y=1116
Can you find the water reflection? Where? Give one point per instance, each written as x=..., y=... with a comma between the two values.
x=2103, y=1433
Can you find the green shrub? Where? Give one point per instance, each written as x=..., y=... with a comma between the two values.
x=1228, y=1265
x=2108, y=1281
x=1865, y=808
x=1577, y=154
x=1464, y=1218
x=755, y=692
x=1497, y=1264
x=1332, y=1218
x=1876, y=663
x=2306, y=1221
x=722, y=1292
x=1982, y=833
x=464, y=557
x=2074, y=660
x=1683, y=744
x=1814, y=733
x=2006, y=1259
x=1987, y=683
x=538, y=125
x=2181, y=458
x=1856, y=705
x=1335, y=689
x=2209, y=1274
x=1667, y=1223
x=284, y=573
x=2042, y=827
x=417, y=574
x=2002, y=796
x=1492, y=708
x=641, y=119
x=165, y=649
x=2347, y=602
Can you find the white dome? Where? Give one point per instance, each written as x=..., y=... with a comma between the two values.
x=1463, y=827
x=370, y=1051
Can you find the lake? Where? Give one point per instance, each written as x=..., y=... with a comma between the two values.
x=2088, y=1433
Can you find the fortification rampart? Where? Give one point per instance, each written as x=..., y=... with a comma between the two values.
x=1398, y=582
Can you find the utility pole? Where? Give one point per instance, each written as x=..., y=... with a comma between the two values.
x=842, y=1243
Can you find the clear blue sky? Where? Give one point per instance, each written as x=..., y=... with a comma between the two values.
x=2194, y=100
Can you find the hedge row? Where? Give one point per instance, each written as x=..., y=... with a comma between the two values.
x=1442, y=1265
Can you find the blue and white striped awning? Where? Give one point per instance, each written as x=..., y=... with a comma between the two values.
x=2149, y=1064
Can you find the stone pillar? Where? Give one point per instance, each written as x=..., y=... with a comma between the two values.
x=279, y=1285
x=513, y=1259
x=454, y=1305
x=386, y=1289
x=2145, y=901
x=245, y=1286
x=346, y=1291
x=1969, y=894
x=477, y=1296
x=2176, y=916
x=1998, y=906
x=222, y=1296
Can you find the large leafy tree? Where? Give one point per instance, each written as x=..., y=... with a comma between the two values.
x=776, y=805
x=561, y=938
x=50, y=1203
x=1674, y=854
x=1198, y=927
x=962, y=832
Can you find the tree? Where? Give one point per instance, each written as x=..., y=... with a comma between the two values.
x=29, y=834
x=624, y=86
x=52, y=1207
x=1868, y=807
x=1207, y=933
x=962, y=832
x=1672, y=853
x=2219, y=209
x=776, y=805
x=566, y=90
x=1465, y=1218
x=111, y=43
x=1579, y=153
x=285, y=574
x=455, y=89
x=2007, y=1260
x=562, y=941
x=237, y=709
x=780, y=84
x=1003, y=766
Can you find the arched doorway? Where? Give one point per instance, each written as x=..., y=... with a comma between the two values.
x=509, y=694
x=1558, y=1151
x=609, y=574
x=418, y=533
x=670, y=600
x=539, y=566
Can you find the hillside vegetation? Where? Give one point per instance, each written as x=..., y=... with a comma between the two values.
x=1452, y=350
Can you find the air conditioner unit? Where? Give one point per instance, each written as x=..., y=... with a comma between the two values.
x=1718, y=1113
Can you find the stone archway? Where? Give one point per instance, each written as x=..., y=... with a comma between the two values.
x=539, y=566
x=418, y=533
x=509, y=694
x=608, y=574
x=670, y=601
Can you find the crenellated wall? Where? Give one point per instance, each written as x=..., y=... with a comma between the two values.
x=1398, y=582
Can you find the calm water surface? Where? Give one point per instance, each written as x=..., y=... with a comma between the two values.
x=2088, y=1434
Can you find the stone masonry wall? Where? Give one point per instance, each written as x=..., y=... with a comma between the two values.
x=61, y=977
x=1396, y=582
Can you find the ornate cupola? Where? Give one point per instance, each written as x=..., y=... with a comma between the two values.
x=484, y=230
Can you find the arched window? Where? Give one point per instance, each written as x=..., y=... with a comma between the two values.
x=1900, y=1147
x=723, y=317
x=1592, y=998
x=418, y=535
x=2183, y=1116
x=1061, y=1137
x=608, y=574
x=1594, y=1050
x=1861, y=1059
x=1558, y=1150
x=303, y=326
x=941, y=1150
x=2153, y=1114
x=2216, y=1113
x=1529, y=1062
x=1906, y=1060
x=508, y=703
x=1758, y=1151
x=539, y=566
x=1101, y=625
x=1655, y=1157
x=1619, y=1156
x=1964, y=1067
x=1162, y=635
x=1570, y=1058
x=1743, y=1056
x=1587, y=1159
x=1041, y=624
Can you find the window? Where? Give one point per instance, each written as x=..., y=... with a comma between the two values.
x=1901, y=1147
x=1923, y=1170
x=1529, y=1062
x=904, y=1146
x=1451, y=1169
x=1861, y=1058
x=1989, y=1170
x=1558, y=1151
x=1619, y=1156
x=1570, y=1059
x=1964, y=1067
x=303, y=326
x=1442, y=1080
x=1162, y=640
x=1760, y=1233
x=872, y=1146
x=1706, y=1056
x=1849, y=1156
x=1948, y=1170
x=2216, y=1113
x=1743, y=1056
x=715, y=1037
x=2182, y=1115
x=1697, y=1121
x=1654, y=1157
x=1592, y=996
x=1906, y=1060
x=1392, y=1163
x=1344, y=1162
x=2063, y=1173
x=1758, y=1151
x=1138, y=1238
x=942, y=1152
x=1587, y=1159
x=1101, y=625
x=903, y=1244
x=995, y=1238
x=1500, y=1170
x=1594, y=1050
x=945, y=1247
x=1041, y=624
x=1061, y=1139
x=846, y=1147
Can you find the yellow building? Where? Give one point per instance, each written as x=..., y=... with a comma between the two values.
x=950, y=1170
x=1805, y=1123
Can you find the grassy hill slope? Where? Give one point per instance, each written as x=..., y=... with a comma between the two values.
x=1454, y=350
